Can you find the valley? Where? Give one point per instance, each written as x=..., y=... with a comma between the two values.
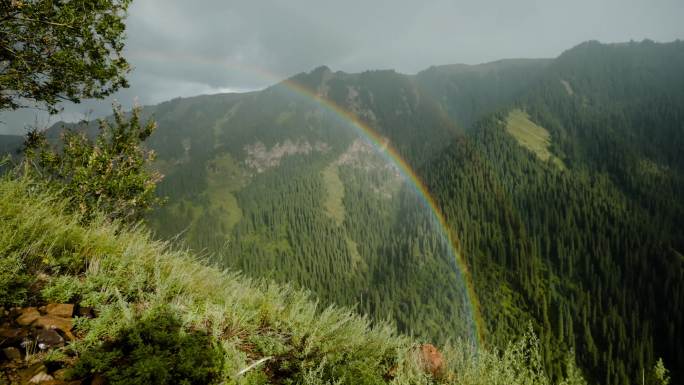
x=561, y=181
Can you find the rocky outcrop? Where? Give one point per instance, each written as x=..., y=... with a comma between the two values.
x=259, y=158
x=26, y=334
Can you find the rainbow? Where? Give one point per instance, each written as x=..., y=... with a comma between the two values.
x=384, y=148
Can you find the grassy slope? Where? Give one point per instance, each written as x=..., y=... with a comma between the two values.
x=223, y=180
x=334, y=194
x=530, y=135
x=123, y=273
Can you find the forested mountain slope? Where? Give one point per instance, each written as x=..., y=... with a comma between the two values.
x=279, y=185
x=562, y=180
x=589, y=246
x=137, y=311
x=468, y=92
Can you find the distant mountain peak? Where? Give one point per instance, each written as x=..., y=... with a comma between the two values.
x=323, y=70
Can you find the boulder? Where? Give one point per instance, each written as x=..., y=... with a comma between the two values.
x=48, y=339
x=12, y=353
x=431, y=360
x=41, y=378
x=10, y=335
x=65, y=310
x=27, y=316
x=52, y=322
x=28, y=373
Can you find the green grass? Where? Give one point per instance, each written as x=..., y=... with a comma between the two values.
x=334, y=194
x=275, y=331
x=353, y=248
x=531, y=136
x=224, y=178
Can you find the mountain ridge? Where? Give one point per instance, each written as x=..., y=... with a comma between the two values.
x=556, y=248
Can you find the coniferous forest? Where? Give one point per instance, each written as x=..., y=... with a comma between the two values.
x=561, y=179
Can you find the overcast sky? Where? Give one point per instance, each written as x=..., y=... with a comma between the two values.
x=184, y=48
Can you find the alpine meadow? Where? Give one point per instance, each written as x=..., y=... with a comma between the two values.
x=518, y=221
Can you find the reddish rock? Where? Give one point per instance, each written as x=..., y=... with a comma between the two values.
x=65, y=310
x=432, y=360
x=27, y=316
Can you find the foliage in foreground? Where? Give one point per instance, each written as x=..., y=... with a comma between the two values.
x=66, y=50
x=201, y=314
x=154, y=349
x=111, y=174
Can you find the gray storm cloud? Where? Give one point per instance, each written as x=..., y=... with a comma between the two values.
x=183, y=48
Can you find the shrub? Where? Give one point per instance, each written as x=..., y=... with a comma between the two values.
x=111, y=174
x=659, y=375
x=62, y=289
x=155, y=349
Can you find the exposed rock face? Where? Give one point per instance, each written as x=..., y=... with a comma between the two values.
x=355, y=106
x=362, y=155
x=260, y=159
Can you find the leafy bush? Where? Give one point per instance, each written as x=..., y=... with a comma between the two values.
x=110, y=174
x=155, y=349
